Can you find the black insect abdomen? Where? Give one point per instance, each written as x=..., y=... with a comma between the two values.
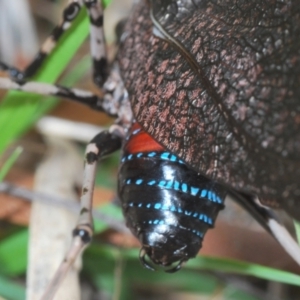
x=167, y=206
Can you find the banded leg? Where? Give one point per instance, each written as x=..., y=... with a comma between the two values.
x=95, y=11
x=266, y=217
x=69, y=14
x=78, y=95
x=97, y=40
x=100, y=64
x=103, y=144
x=11, y=71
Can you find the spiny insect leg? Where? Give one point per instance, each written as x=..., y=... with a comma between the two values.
x=98, y=52
x=97, y=40
x=103, y=144
x=69, y=15
x=78, y=95
x=18, y=79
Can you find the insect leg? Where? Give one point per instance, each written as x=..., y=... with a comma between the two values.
x=18, y=79
x=266, y=217
x=97, y=42
x=102, y=144
x=11, y=71
x=69, y=15
x=95, y=11
x=47, y=89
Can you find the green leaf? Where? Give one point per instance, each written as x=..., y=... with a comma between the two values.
x=11, y=290
x=13, y=254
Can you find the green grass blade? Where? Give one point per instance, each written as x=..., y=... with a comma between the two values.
x=19, y=110
x=9, y=162
x=99, y=261
x=13, y=260
x=297, y=229
x=243, y=268
x=70, y=79
x=221, y=265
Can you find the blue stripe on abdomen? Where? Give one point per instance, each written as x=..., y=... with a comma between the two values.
x=158, y=206
x=177, y=186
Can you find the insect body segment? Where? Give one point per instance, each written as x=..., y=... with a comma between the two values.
x=168, y=206
x=222, y=89
x=221, y=93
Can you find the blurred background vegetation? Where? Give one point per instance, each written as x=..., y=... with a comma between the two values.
x=34, y=129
